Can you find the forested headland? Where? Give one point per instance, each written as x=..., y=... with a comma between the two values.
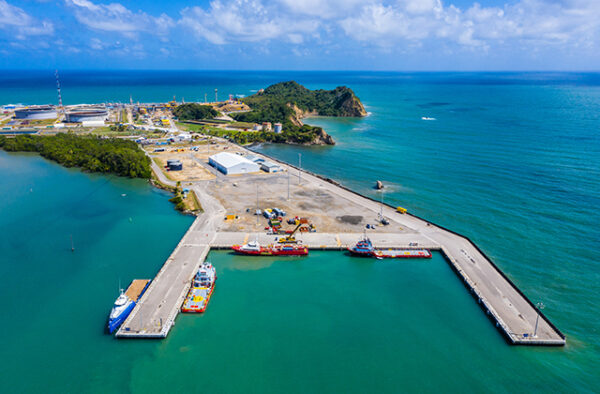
x=90, y=153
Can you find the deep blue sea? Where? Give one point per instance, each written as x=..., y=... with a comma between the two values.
x=511, y=160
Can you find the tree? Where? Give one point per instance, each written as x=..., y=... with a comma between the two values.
x=193, y=111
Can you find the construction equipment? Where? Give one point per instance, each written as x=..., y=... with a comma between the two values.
x=290, y=238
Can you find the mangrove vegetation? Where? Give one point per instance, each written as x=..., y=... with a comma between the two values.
x=90, y=153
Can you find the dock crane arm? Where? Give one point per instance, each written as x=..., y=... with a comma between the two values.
x=296, y=229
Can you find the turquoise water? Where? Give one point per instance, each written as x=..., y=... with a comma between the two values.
x=55, y=302
x=512, y=161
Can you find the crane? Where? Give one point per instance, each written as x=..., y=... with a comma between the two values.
x=290, y=238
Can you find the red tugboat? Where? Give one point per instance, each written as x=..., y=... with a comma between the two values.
x=253, y=248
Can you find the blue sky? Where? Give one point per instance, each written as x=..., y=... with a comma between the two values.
x=301, y=34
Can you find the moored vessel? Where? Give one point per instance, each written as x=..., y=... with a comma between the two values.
x=363, y=247
x=402, y=253
x=201, y=290
x=253, y=248
x=125, y=303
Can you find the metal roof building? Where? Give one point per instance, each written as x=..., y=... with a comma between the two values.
x=269, y=166
x=230, y=164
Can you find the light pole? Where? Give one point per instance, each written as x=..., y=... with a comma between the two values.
x=299, y=168
x=288, y=177
x=381, y=208
x=256, y=212
x=539, y=306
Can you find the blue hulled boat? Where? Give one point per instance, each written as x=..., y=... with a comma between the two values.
x=121, y=309
x=125, y=303
x=364, y=247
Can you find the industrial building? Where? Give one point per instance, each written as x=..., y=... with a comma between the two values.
x=231, y=164
x=36, y=112
x=87, y=114
x=269, y=166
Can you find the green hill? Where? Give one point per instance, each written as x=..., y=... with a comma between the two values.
x=288, y=102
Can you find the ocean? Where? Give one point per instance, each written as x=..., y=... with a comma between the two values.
x=512, y=160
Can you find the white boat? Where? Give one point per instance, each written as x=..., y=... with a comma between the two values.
x=125, y=303
x=119, y=312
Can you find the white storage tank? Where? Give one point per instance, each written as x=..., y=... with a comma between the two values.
x=36, y=112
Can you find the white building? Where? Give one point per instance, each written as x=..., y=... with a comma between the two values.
x=231, y=164
x=269, y=166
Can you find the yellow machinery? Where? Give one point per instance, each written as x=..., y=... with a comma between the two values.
x=290, y=238
x=401, y=210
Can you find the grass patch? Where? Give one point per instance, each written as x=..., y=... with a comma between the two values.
x=161, y=164
x=192, y=203
x=241, y=125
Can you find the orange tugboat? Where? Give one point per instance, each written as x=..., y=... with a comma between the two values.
x=201, y=290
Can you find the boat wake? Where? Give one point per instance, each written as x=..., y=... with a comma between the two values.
x=427, y=118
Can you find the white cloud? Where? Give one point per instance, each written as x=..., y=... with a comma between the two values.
x=244, y=20
x=530, y=22
x=24, y=25
x=114, y=17
x=322, y=8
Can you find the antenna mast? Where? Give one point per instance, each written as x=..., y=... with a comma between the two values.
x=60, y=104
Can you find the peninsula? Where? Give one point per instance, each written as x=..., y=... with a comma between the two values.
x=288, y=103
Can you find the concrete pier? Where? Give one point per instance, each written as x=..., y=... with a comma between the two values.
x=515, y=316
x=155, y=312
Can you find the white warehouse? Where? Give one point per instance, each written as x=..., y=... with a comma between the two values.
x=230, y=164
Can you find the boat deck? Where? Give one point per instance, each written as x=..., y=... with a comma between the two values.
x=403, y=253
x=197, y=299
x=136, y=288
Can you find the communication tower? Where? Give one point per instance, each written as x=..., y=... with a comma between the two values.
x=60, y=104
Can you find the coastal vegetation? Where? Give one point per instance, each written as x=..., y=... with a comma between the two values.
x=303, y=135
x=193, y=111
x=276, y=102
x=288, y=102
x=91, y=153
